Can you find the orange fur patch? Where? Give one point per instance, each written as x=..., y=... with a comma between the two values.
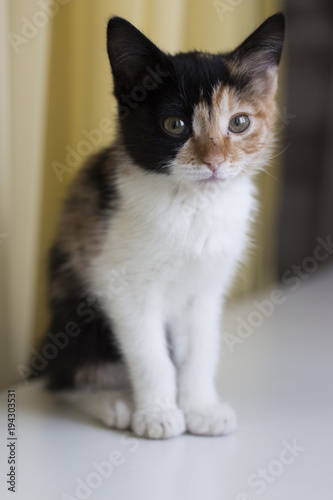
x=211, y=137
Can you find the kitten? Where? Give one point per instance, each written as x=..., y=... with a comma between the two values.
x=153, y=230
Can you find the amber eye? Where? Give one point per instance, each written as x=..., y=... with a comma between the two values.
x=239, y=124
x=174, y=125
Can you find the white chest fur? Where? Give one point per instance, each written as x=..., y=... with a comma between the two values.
x=160, y=230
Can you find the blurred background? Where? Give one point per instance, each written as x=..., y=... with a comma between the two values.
x=56, y=87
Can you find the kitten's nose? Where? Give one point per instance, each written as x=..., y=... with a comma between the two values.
x=213, y=162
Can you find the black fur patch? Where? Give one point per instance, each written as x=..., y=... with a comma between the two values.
x=58, y=261
x=63, y=353
x=79, y=335
x=99, y=174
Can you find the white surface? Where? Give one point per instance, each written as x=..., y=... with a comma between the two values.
x=279, y=380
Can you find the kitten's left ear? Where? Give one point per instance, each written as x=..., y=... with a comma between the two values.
x=258, y=57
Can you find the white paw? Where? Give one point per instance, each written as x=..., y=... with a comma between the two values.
x=116, y=411
x=158, y=424
x=112, y=408
x=211, y=421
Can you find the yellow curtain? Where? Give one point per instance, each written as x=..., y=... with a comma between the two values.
x=68, y=72
x=24, y=55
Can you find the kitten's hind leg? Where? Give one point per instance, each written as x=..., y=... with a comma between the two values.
x=103, y=391
x=111, y=407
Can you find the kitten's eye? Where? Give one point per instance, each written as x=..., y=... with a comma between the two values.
x=174, y=125
x=239, y=124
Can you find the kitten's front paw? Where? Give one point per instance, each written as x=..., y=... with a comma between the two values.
x=158, y=424
x=214, y=420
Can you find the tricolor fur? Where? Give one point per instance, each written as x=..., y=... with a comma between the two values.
x=151, y=234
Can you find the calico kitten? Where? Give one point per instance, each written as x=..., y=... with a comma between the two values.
x=153, y=229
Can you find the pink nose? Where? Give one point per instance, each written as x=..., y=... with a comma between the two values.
x=213, y=162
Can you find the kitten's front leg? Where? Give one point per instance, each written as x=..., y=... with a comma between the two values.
x=196, y=346
x=142, y=337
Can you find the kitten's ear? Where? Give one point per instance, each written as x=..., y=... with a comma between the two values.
x=130, y=54
x=258, y=57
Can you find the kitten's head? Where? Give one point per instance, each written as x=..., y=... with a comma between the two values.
x=196, y=116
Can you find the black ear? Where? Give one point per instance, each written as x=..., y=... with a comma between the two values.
x=259, y=55
x=131, y=53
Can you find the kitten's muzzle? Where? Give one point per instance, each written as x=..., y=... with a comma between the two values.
x=213, y=162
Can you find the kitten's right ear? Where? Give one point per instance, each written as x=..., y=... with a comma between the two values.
x=130, y=53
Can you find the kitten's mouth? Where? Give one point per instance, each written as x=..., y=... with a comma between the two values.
x=214, y=178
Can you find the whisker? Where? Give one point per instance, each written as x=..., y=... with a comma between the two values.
x=281, y=152
x=275, y=178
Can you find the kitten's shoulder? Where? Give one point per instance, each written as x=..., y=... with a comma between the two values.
x=94, y=187
x=91, y=200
